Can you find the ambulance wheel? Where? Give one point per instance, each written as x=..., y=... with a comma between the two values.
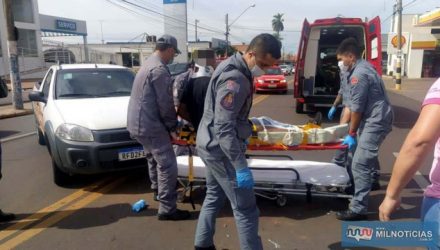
x=180, y=196
x=281, y=201
x=299, y=107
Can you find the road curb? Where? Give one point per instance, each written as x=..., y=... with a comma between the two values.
x=16, y=113
x=9, y=104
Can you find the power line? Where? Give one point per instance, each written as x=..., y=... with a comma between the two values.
x=170, y=17
x=190, y=22
x=131, y=11
x=403, y=7
x=158, y=20
x=263, y=29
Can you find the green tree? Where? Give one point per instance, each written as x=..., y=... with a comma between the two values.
x=277, y=24
x=277, y=36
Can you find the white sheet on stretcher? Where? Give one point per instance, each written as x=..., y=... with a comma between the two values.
x=312, y=172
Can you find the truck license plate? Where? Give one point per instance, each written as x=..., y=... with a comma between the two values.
x=131, y=154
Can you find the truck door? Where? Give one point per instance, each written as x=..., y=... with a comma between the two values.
x=374, y=43
x=299, y=68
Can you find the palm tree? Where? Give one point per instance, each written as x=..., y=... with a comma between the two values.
x=277, y=36
x=277, y=24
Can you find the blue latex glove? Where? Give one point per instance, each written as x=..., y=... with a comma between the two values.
x=331, y=113
x=244, y=178
x=246, y=142
x=350, y=141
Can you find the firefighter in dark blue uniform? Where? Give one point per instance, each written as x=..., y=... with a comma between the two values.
x=371, y=121
x=221, y=137
x=152, y=121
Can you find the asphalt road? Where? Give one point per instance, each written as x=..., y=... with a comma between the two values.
x=96, y=214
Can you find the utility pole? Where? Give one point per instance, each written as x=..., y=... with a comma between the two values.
x=196, y=29
x=399, y=46
x=102, y=33
x=14, y=72
x=228, y=26
x=227, y=35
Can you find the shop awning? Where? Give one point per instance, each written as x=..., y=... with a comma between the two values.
x=431, y=18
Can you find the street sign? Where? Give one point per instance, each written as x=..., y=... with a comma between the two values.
x=394, y=41
x=65, y=25
x=173, y=1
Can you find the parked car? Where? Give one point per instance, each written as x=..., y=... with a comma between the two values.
x=81, y=116
x=272, y=81
x=317, y=81
x=177, y=68
x=285, y=69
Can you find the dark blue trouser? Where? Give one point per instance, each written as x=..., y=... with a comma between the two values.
x=221, y=184
x=365, y=162
x=163, y=170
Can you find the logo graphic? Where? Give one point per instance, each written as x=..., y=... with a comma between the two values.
x=393, y=234
x=359, y=233
x=394, y=41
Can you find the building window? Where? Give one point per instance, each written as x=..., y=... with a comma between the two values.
x=27, y=43
x=23, y=11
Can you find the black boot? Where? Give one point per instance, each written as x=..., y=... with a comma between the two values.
x=155, y=195
x=4, y=217
x=178, y=215
x=350, y=215
x=204, y=248
x=375, y=186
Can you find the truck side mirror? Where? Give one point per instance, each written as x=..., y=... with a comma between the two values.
x=38, y=85
x=37, y=96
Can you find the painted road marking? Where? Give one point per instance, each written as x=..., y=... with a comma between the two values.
x=421, y=181
x=12, y=138
x=47, y=210
x=259, y=99
x=59, y=215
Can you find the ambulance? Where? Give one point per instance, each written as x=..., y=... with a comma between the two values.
x=317, y=79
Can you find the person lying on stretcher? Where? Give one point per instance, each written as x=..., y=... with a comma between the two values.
x=266, y=131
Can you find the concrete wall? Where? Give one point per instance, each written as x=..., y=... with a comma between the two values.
x=413, y=58
x=198, y=45
x=104, y=53
x=25, y=63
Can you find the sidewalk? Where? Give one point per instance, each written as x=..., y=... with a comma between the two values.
x=415, y=89
x=8, y=111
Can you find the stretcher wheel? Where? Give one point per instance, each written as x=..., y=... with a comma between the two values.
x=281, y=200
x=180, y=196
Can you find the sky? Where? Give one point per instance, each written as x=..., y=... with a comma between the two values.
x=123, y=22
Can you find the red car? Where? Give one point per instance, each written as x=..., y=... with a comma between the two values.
x=272, y=81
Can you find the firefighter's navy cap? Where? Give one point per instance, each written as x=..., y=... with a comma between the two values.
x=169, y=39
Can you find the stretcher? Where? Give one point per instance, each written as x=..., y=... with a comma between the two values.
x=275, y=178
